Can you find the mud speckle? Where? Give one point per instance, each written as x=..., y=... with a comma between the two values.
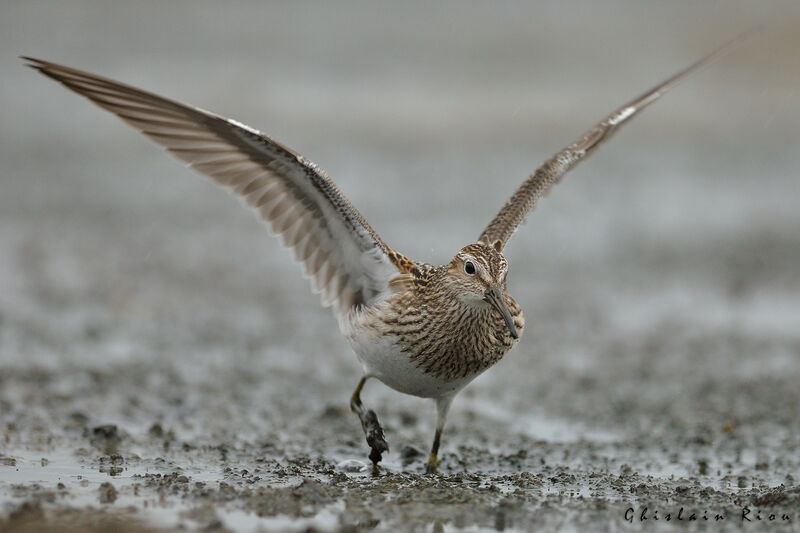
x=105, y=438
x=409, y=454
x=107, y=493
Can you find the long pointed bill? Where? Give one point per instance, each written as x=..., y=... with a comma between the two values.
x=495, y=297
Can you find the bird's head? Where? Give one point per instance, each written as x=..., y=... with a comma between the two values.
x=478, y=275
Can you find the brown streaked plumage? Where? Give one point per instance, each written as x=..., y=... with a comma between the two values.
x=421, y=329
x=421, y=316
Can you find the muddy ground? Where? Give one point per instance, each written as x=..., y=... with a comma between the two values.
x=163, y=365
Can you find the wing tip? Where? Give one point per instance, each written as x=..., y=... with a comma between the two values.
x=32, y=62
x=46, y=68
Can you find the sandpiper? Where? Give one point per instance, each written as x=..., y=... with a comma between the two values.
x=421, y=329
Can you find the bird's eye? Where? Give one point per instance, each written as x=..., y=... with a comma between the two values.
x=469, y=268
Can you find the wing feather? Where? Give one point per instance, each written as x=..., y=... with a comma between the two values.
x=347, y=260
x=513, y=213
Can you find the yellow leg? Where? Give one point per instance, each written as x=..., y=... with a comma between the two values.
x=442, y=406
x=433, y=459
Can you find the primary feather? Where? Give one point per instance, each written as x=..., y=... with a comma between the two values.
x=506, y=222
x=347, y=261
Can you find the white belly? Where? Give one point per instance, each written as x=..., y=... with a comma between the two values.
x=382, y=358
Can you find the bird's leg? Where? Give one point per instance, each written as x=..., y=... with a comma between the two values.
x=442, y=406
x=433, y=460
x=372, y=428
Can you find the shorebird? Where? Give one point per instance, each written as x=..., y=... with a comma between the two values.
x=421, y=329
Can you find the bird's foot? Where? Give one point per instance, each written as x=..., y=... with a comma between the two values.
x=432, y=464
x=372, y=431
x=374, y=434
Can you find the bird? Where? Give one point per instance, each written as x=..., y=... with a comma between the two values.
x=421, y=329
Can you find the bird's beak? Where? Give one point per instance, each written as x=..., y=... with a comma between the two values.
x=495, y=297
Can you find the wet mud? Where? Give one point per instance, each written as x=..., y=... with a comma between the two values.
x=720, y=451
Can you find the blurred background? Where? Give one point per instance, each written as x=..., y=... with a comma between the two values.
x=660, y=280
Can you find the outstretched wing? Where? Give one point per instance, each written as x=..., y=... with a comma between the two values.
x=505, y=223
x=346, y=259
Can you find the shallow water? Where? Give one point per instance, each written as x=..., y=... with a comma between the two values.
x=660, y=361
